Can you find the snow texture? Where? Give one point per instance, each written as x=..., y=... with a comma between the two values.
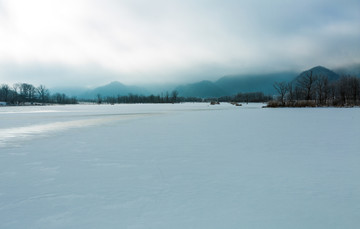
x=179, y=166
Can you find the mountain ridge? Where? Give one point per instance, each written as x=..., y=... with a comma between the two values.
x=113, y=89
x=224, y=86
x=320, y=71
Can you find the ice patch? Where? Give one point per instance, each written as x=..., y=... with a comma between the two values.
x=12, y=135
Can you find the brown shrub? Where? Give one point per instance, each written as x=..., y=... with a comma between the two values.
x=300, y=103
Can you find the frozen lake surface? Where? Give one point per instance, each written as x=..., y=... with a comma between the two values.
x=179, y=166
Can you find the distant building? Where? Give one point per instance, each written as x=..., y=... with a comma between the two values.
x=2, y=103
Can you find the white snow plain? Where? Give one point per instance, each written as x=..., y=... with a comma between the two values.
x=179, y=166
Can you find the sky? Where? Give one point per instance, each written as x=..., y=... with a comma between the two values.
x=93, y=42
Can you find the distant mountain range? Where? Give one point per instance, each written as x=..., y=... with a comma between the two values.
x=114, y=89
x=227, y=85
x=230, y=85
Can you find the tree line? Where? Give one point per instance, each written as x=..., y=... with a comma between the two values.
x=28, y=94
x=317, y=90
x=249, y=97
x=174, y=98
x=133, y=98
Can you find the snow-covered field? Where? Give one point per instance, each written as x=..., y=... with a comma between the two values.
x=179, y=166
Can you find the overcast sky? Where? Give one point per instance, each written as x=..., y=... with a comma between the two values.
x=93, y=42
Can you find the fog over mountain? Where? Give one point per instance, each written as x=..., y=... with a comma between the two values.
x=353, y=69
x=224, y=86
x=87, y=43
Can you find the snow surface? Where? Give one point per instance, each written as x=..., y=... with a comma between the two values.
x=179, y=166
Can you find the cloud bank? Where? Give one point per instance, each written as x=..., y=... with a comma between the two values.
x=64, y=42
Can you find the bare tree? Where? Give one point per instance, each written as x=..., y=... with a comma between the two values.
x=43, y=93
x=27, y=92
x=99, y=99
x=332, y=91
x=344, y=89
x=174, y=95
x=354, y=88
x=281, y=88
x=167, y=100
x=290, y=92
x=306, y=83
x=16, y=89
x=5, y=91
x=298, y=92
x=321, y=85
x=326, y=90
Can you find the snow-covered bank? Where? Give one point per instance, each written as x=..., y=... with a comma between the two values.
x=180, y=166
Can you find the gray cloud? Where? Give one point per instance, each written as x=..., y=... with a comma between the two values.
x=56, y=75
x=172, y=41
